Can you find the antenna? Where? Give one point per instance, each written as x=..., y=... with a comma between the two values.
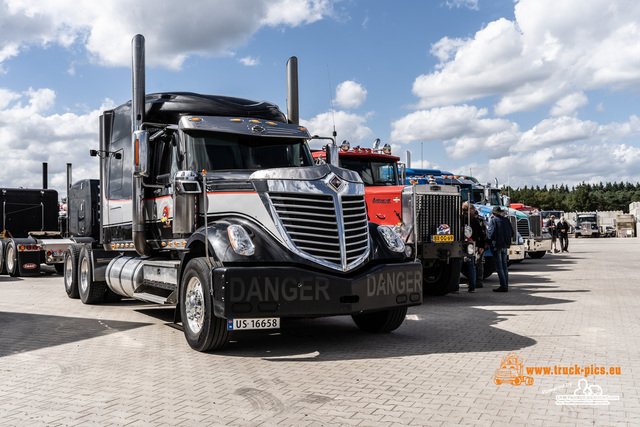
x=333, y=118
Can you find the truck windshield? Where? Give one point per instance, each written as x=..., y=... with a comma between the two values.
x=589, y=218
x=373, y=174
x=224, y=151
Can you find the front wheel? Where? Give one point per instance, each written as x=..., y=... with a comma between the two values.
x=441, y=277
x=202, y=329
x=536, y=255
x=381, y=321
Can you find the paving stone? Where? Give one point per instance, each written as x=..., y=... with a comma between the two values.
x=64, y=363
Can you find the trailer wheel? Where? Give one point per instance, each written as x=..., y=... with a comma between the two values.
x=90, y=292
x=381, y=321
x=12, y=259
x=537, y=254
x=441, y=277
x=3, y=268
x=202, y=329
x=70, y=275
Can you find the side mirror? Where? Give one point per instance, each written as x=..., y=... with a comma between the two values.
x=140, y=144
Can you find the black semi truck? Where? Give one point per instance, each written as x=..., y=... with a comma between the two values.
x=214, y=204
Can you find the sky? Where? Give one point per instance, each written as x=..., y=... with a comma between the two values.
x=528, y=92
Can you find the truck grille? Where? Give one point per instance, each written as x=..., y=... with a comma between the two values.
x=523, y=228
x=514, y=227
x=319, y=228
x=434, y=210
x=535, y=223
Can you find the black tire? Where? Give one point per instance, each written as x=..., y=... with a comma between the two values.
x=489, y=267
x=70, y=271
x=11, y=259
x=59, y=268
x=536, y=255
x=111, y=296
x=3, y=268
x=90, y=292
x=381, y=321
x=441, y=277
x=202, y=329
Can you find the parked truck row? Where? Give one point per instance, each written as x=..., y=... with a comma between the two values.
x=216, y=205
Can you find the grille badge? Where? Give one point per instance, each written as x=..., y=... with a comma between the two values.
x=335, y=183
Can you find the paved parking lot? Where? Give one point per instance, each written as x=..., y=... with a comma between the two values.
x=65, y=363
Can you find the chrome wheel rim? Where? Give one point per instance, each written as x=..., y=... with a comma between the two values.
x=194, y=305
x=10, y=256
x=84, y=275
x=68, y=272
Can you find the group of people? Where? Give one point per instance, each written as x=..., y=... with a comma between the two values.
x=558, y=231
x=495, y=236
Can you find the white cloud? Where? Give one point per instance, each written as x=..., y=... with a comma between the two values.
x=249, y=61
x=351, y=127
x=552, y=50
x=207, y=27
x=471, y=4
x=350, y=94
x=464, y=129
x=57, y=139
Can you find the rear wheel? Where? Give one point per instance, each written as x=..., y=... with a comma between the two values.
x=70, y=275
x=3, y=268
x=381, y=321
x=441, y=277
x=12, y=259
x=202, y=329
x=90, y=292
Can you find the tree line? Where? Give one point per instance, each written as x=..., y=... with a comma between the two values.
x=582, y=198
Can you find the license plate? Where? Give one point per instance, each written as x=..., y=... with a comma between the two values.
x=250, y=324
x=442, y=238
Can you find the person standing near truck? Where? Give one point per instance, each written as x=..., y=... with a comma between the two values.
x=551, y=226
x=469, y=218
x=563, y=232
x=500, y=232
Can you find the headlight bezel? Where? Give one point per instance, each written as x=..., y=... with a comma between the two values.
x=240, y=240
x=391, y=238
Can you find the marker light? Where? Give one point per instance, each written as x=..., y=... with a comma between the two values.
x=240, y=240
x=345, y=145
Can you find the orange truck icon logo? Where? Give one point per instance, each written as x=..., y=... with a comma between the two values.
x=511, y=371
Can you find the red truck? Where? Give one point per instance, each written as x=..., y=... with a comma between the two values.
x=426, y=216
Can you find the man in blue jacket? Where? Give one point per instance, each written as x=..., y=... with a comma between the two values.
x=500, y=232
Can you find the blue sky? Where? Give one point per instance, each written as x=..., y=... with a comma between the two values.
x=532, y=92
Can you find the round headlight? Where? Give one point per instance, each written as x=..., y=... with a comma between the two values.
x=470, y=249
x=468, y=232
x=240, y=240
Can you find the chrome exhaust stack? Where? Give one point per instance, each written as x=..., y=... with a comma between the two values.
x=139, y=141
x=293, y=105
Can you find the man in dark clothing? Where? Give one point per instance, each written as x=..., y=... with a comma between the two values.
x=563, y=232
x=481, y=246
x=477, y=235
x=500, y=232
x=551, y=227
